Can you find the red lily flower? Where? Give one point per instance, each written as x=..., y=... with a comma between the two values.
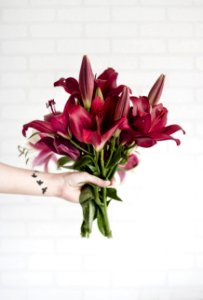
x=131, y=163
x=147, y=127
x=93, y=127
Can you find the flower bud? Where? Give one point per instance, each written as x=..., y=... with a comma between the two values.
x=123, y=105
x=86, y=82
x=156, y=90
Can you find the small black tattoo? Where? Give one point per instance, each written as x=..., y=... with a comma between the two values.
x=39, y=182
x=44, y=190
x=34, y=174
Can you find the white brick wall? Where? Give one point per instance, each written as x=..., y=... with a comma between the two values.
x=157, y=248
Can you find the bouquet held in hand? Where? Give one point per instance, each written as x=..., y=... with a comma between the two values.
x=98, y=132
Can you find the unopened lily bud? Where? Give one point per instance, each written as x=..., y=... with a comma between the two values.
x=86, y=82
x=156, y=90
x=123, y=105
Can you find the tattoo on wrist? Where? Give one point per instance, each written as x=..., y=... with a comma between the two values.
x=39, y=182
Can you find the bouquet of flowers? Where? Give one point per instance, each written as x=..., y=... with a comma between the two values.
x=98, y=131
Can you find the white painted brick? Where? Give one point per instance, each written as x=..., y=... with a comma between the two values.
x=9, y=129
x=166, y=30
x=162, y=63
x=53, y=229
x=111, y=294
x=8, y=294
x=12, y=63
x=40, y=95
x=12, y=95
x=188, y=78
x=137, y=14
x=27, y=46
x=14, y=3
x=27, y=79
x=113, y=30
x=83, y=46
x=26, y=246
x=110, y=2
x=12, y=229
x=83, y=14
x=26, y=279
x=13, y=31
x=82, y=279
x=28, y=15
x=185, y=278
x=54, y=262
x=183, y=14
x=138, y=46
x=57, y=3
x=9, y=262
x=54, y=293
x=56, y=30
x=192, y=46
x=166, y=2
x=199, y=62
x=53, y=62
x=26, y=212
x=199, y=95
x=177, y=95
x=138, y=279
x=199, y=29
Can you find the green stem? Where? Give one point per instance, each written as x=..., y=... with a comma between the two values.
x=79, y=147
x=112, y=150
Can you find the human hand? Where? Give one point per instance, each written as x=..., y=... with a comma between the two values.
x=70, y=184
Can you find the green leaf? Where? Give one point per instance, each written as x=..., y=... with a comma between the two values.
x=112, y=193
x=116, y=156
x=86, y=194
x=63, y=161
x=82, y=162
x=101, y=222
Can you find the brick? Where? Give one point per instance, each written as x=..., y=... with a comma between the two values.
x=83, y=46
x=12, y=229
x=26, y=212
x=56, y=30
x=166, y=3
x=28, y=15
x=185, y=278
x=193, y=46
x=27, y=46
x=13, y=31
x=27, y=279
x=111, y=294
x=26, y=246
x=199, y=29
x=57, y=3
x=40, y=95
x=54, y=293
x=137, y=14
x=189, y=79
x=82, y=279
x=139, y=279
x=166, y=30
x=110, y=2
x=138, y=46
x=169, y=62
x=12, y=262
x=54, y=262
x=83, y=14
x=53, y=62
x=12, y=63
x=8, y=294
x=185, y=14
x=53, y=229
x=111, y=30
x=26, y=79
x=199, y=95
x=199, y=62
x=17, y=3
x=12, y=95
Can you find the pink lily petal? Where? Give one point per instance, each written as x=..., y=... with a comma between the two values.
x=41, y=126
x=69, y=84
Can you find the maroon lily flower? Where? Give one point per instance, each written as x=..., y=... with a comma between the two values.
x=93, y=127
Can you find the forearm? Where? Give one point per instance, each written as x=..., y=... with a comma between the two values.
x=15, y=180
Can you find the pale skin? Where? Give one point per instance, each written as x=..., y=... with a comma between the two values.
x=14, y=180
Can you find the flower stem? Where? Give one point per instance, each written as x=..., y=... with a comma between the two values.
x=79, y=147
